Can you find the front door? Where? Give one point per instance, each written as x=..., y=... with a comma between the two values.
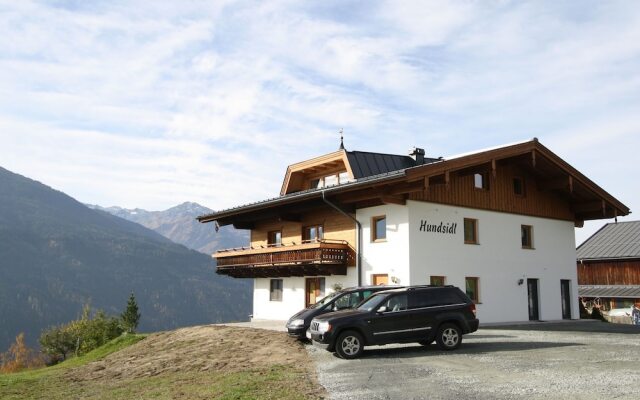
x=565, y=295
x=314, y=289
x=532, y=288
x=380, y=279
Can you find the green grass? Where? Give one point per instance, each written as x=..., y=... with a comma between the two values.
x=274, y=382
x=34, y=384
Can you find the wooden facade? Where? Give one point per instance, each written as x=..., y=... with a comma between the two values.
x=335, y=225
x=609, y=272
x=299, y=176
x=499, y=196
x=294, y=256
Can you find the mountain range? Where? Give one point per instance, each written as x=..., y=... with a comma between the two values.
x=56, y=254
x=179, y=225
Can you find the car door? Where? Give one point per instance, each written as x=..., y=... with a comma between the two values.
x=423, y=310
x=391, y=322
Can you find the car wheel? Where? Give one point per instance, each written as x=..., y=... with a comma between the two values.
x=449, y=337
x=349, y=345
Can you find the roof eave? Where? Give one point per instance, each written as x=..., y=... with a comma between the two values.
x=301, y=196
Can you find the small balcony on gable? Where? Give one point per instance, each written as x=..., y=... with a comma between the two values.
x=307, y=258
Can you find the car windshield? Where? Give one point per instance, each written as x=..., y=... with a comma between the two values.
x=325, y=300
x=372, y=302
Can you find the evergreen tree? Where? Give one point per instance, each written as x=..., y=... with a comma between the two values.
x=130, y=317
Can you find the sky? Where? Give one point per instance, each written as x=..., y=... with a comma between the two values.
x=150, y=104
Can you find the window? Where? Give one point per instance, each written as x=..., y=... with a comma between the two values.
x=527, y=236
x=379, y=229
x=518, y=186
x=347, y=301
x=433, y=298
x=396, y=303
x=436, y=280
x=313, y=233
x=275, y=290
x=470, y=231
x=330, y=180
x=471, y=286
x=481, y=181
x=315, y=183
x=274, y=238
x=343, y=177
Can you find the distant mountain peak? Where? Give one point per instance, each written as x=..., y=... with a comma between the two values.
x=179, y=224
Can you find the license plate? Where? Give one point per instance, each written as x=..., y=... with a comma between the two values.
x=308, y=334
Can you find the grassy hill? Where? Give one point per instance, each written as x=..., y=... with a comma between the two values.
x=56, y=254
x=201, y=362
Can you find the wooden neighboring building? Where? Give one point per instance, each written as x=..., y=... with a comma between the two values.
x=499, y=223
x=609, y=266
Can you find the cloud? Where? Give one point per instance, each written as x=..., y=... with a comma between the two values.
x=150, y=104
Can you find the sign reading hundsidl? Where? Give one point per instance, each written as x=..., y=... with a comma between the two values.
x=442, y=227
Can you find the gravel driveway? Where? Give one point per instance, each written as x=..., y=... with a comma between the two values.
x=575, y=359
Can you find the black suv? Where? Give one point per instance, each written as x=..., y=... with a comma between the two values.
x=412, y=314
x=298, y=325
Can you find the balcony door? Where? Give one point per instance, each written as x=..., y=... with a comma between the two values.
x=314, y=289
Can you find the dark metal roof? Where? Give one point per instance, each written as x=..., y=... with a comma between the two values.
x=305, y=194
x=365, y=164
x=612, y=241
x=616, y=291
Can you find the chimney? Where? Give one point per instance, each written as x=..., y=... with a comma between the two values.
x=418, y=155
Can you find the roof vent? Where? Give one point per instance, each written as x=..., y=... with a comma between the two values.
x=418, y=155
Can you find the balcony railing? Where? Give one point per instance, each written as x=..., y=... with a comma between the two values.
x=317, y=257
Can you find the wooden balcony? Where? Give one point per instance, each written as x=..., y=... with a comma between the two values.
x=310, y=258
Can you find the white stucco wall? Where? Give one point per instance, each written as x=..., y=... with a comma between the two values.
x=499, y=260
x=391, y=256
x=293, y=295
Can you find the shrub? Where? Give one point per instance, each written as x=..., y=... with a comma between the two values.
x=57, y=342
x=80, y=336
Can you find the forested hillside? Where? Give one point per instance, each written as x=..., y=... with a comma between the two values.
x=179, y=224
x=56, y=254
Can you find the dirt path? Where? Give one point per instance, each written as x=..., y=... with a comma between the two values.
x=203, y=349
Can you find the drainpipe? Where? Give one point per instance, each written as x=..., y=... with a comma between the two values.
x=359, y=235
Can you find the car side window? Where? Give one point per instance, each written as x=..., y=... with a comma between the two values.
x=433, y=298
x=424, y=298
x=342, y=302
x=354, y=299
x=396, y=303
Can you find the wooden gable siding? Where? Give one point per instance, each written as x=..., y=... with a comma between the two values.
x=609, y=273
x=336, y=227
x=500, y=196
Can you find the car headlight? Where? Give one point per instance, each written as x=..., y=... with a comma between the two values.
x=324, y=327
x=296, y=322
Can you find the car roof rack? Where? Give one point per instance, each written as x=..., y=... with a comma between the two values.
x=427, y=286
